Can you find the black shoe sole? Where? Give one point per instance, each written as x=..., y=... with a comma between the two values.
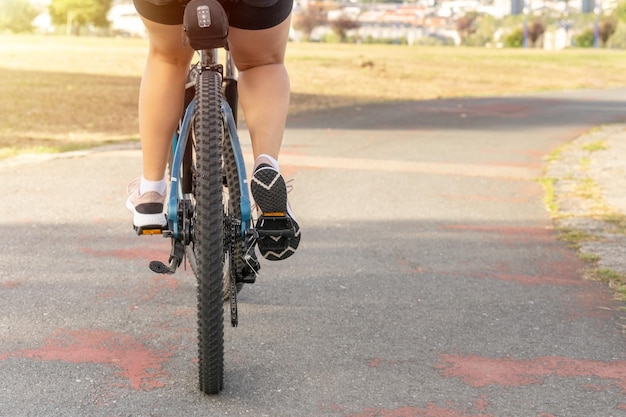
x=278, y=233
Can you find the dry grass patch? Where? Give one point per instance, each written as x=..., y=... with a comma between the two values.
x=64, y=92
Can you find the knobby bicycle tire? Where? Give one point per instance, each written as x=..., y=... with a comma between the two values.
x=208, y=230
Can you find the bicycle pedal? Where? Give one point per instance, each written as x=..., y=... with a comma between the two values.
x=149, y=230
x=275, y=226
x=247, y=279
x=250, y=270
x=277, y=236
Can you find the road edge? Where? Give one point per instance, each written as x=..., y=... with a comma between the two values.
x=584, y=181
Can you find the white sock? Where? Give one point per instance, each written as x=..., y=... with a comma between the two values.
x=146, y=186
x=266, y=159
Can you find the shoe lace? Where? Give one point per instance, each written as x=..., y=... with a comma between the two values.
x=132, y=185
x=289, y=184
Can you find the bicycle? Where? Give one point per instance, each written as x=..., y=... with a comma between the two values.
x=209, y=213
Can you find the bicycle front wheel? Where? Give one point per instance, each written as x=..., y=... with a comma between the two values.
x=207, y=247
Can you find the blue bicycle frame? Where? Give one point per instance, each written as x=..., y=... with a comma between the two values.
x=179, y=144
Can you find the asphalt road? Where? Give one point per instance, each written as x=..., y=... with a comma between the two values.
x=429, y=281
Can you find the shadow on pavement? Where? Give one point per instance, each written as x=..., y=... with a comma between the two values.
x=491, y=113
x=402, y=306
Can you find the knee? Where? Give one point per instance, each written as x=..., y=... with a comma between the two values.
x=179, y=57
x=248, y=63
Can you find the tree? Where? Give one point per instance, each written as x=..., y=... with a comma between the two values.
x=618, y=39
x=308, y=20
x=484, y=28
x=607, y=28
x=342, y=25
x=620, y=11
x=535, y=30
x=80, y=12
x=17, y=15
x=466, y=26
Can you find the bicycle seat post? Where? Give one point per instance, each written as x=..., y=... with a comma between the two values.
x=208, y=57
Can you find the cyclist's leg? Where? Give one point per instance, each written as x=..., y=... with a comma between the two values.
x=264, y=94
x=160, y=103
x=263, y=83
x=161, y=95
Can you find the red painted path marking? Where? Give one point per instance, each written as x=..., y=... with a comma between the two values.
x=478, y=371
x=561, y=268
x=148, y=253
x=142, y=366
x=511, y=232
x=431, y=410
x=9, y=284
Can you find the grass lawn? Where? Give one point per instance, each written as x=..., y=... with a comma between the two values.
x=64, y=93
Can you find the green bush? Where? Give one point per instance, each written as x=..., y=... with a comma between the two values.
x=514, y=39
x=585, y=39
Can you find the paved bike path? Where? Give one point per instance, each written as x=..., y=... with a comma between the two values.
x=429, y=281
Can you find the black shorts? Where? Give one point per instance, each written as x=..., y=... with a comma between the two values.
x=240, y=15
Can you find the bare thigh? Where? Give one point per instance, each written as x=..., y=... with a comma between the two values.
x=253, y=48
x=167, y=42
